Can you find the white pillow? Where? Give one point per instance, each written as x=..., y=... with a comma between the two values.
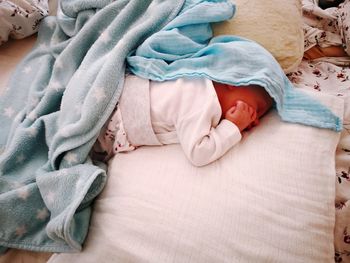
x=270, y=199
x=274, y=24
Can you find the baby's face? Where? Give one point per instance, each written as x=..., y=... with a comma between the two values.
x=253, y=95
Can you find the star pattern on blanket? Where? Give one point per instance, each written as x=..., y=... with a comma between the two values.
x=16, y=185
x=19, y=117
x=105, y=37
x=34, y=101
x=65, y=131
x=99, y=94
x=42, y=46
x=75, y=8
x=50, y=197
x=62, y=172
x=21, y=230
x=4, y=90
x=42, y=156
x=71, y=158
x=32, y=131
x=78, y=107
x=79, y=185
x=55, y=85
x=51, y=23
x=79, y=73
x=56, y=39
x=32, y=116
x=20, y=158
x=27, y=70
x=58, y=63
x=42, y=214
x=9, y=112
x=23, y=193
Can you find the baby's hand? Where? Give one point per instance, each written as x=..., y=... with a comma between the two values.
x=242, y=115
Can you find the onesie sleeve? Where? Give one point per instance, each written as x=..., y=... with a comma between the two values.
x=202, y=141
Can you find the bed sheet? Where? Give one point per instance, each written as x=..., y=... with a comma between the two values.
x=325, y=77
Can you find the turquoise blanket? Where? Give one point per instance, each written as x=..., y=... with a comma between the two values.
x=56, y=102
x=185, y=48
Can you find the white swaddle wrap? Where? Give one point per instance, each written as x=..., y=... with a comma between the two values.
x=130, y=123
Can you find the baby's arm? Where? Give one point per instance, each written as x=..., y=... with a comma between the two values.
x=318, y=52
x=201, y=142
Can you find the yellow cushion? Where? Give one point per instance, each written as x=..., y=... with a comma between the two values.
x=274, y=24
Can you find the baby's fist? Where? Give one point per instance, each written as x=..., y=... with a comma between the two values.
x=242, y=115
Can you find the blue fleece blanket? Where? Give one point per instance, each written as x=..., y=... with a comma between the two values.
x=185, y=48
x=56, y=102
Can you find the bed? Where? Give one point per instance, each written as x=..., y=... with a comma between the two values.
x=281, y=195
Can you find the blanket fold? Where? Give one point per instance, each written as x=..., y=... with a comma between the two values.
x=228, y=59
x=56, y=102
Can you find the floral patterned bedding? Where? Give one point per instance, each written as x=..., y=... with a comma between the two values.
x=326, y=28
x=21, y=18
x=322, y=76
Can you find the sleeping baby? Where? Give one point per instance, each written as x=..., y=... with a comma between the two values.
x=206, y=118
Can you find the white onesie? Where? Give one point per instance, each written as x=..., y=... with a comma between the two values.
x=185, y=111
